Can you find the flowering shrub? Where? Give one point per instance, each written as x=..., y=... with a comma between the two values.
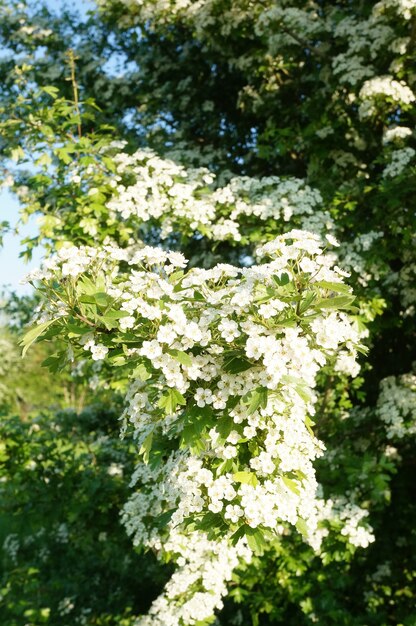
x=223, y=365
x=265, y=458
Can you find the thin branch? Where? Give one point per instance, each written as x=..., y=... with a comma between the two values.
x=303, y=42
x=71, y=62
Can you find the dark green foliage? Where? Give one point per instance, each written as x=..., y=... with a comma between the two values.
x=63, y=483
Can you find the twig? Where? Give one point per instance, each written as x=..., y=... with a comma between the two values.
x=71, y=62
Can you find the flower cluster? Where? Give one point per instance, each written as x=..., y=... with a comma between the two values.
x=338, y=511
x=396, y=134
x=399, y=160
x=223, y=364
x=404, y=8
x=156, y=190
x=396, y=405
x=383, y=88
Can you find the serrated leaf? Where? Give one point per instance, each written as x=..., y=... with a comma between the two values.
x=171, y=400
x=50, y=90
x=110, y=319
x=255, y=399
x=162, y=520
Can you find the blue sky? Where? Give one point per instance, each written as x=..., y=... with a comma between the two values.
x=12, y=268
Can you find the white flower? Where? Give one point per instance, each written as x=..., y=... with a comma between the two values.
x=331, y=239
x=99, y=352
x=151, y=349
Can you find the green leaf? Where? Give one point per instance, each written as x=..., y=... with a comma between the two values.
x=256, y=541
x=17, y=154
x=282, y=280
x=209, y=519
x=196, y=419
x=246, y=478
x=239, y=533
x=51, y=91
x=181, y=356
x=87, y=286
x=309, y=423
x=171, y=400
x=146, y=448
x=162, y=520
x=234, y=363
x=304, y=305
x=299, y=386
x=303, y=392
x=264, y=294
x=55, y=362
x=44, y=159
x=176, y=276
x=225, y=466
x=302, y=527
x=338, y=302
x=255, y=399
x=103, y=299
x=31, y=336
x=141, y=372
x=117, y=360
x=290, y=484
x=289, y=322
x=75, y=330
x=224, y=426
x=86, y=299
x=110, y=318
x=336, y=287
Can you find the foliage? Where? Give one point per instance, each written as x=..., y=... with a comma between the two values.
x=26, y=384
x=66, y=559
